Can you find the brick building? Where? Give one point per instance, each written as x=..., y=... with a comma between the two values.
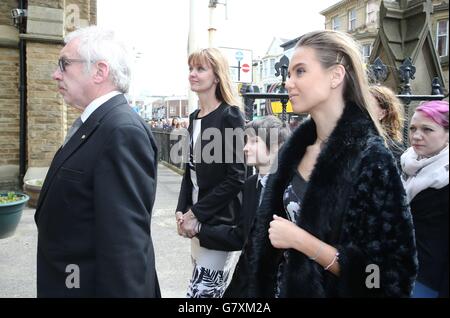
x=45, y=116
x=358, y=18
x=169, y=107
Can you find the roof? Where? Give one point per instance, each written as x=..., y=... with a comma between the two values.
x=289, y=44
x=334, y=7
x=443, y=6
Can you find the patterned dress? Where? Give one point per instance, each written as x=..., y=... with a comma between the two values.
x=212, y=269
x=292, y=199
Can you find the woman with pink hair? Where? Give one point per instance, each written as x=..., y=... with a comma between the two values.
x=425, y=177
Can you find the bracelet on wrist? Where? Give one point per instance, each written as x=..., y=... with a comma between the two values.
x=318, y=252
x=335, y=259
x=198, y=228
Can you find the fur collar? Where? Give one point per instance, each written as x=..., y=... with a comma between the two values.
x=350, y=135
x=325, y=200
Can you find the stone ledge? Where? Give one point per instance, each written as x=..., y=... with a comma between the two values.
x=45, y=28
x=9, y=36
x=39, y=13
x=42, y=38
x=35, y=173
x=45, y=21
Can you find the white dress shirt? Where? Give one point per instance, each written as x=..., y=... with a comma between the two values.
x=96, y=103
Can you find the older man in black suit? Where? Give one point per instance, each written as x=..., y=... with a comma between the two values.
x=94, y=212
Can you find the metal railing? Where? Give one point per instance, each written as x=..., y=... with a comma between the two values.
x=165, y=142
x=281, y=68
x=378, y=73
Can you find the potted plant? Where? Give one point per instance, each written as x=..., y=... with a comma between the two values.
x=33, y=188
x=11, y=207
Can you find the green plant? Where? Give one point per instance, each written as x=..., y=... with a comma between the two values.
x=10, y=197
x=11, y=208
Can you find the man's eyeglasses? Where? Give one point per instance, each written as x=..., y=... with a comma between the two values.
x=64, y=62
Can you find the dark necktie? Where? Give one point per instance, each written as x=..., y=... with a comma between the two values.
x=76, y=124
x=259, y=189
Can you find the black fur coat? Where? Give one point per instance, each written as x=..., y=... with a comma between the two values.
x=355, y=201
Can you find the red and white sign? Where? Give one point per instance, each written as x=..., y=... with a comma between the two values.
x=240, y=61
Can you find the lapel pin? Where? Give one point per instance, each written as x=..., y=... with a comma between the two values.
x=84, y=136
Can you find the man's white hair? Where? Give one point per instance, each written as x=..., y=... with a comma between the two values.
x=97, y=44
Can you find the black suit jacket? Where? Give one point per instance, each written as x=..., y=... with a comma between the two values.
x=95, y=207
x=232, y=237
x=221, y=180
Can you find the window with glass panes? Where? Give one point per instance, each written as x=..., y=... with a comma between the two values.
x=272, y=67
x=352, y=19
x=335, y=23
x=366, y=50
x=442, y=38
x=371, y=12
x=266, y=68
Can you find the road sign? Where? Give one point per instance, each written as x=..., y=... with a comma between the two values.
x=240, y=62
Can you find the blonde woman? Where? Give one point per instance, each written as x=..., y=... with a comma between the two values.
x=333, y=221
x=210, y=186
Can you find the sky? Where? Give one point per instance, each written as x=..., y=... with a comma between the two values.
x=158, y=30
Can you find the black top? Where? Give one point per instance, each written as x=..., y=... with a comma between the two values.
x=429, y=209
x=293, y=200
x=293, y=196
x=232, y=237
x=220, y=180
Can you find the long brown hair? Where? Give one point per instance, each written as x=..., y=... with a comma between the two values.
x=394, y=118
x=219, y=64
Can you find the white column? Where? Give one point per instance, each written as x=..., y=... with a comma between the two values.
x=212, y=27
x=198, y=36
x=193, y=45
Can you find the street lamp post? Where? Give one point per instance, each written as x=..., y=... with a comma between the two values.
x=212, y=20
x=212, y=28
x=192, y=45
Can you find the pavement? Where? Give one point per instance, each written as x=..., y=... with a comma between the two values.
x=173, y=261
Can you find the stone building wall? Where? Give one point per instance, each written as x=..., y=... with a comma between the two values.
x=9, y=106
x=5, y=8
x=9, y=98
x=48, y=118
